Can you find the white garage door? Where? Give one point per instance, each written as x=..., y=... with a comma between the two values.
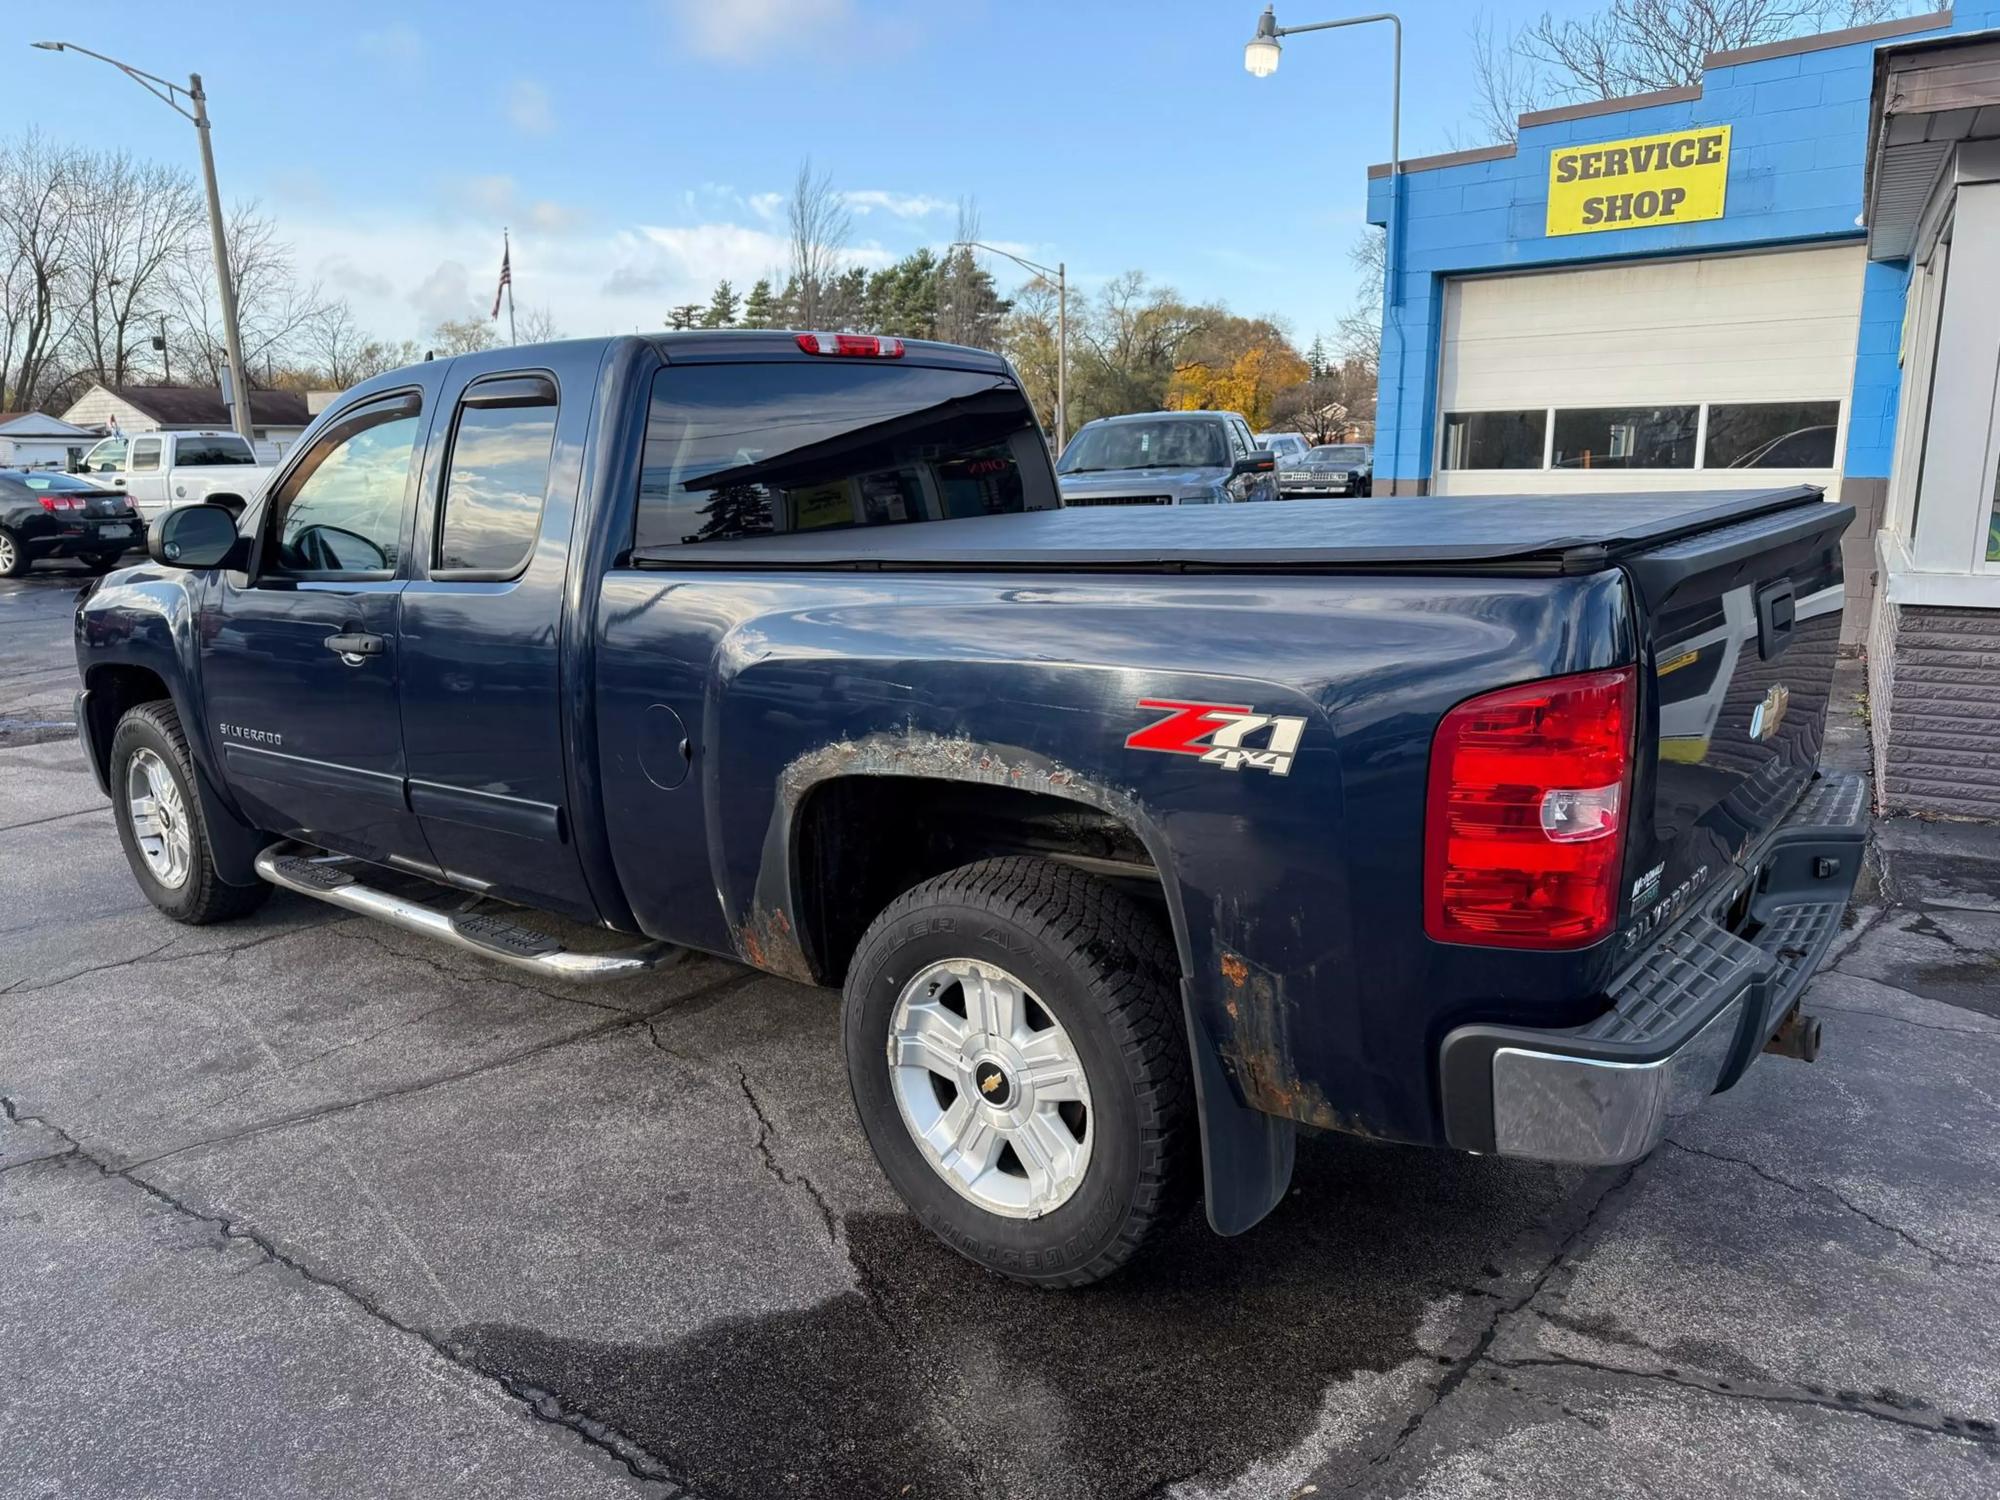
x=1723, y=372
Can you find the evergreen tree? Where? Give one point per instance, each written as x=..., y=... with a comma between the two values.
x=760, y=308
x=722, y=307
x=1316, y=361
x=683, y=316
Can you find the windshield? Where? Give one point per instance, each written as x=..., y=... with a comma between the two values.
x=209, y=452
x=1338, y=456
x=1165, y=444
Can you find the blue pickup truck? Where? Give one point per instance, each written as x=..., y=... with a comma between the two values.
x=1137, y=839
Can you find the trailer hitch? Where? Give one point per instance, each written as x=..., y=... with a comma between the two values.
x=1797, y=1036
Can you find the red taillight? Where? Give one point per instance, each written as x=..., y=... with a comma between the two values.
x=60, y=502
x=860, y=345
x=1525, y=821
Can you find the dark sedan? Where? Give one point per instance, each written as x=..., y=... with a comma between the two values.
x=1332, y=469
x=46, y=514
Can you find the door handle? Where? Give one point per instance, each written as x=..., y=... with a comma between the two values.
x=355, y=647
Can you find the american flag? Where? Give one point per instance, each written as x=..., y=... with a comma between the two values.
x=506, y=277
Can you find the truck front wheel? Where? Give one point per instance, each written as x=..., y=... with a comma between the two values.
x=1015, y=1052
x=159, y=815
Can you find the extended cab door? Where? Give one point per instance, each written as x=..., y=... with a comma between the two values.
x=146, y=473
x=299, y=660
x=483, y=625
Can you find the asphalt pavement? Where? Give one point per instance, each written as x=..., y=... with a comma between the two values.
x=305, y=1206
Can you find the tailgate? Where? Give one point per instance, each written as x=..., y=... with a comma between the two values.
x=1742, y=627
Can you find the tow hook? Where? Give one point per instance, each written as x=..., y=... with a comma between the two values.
x=1797, y=1036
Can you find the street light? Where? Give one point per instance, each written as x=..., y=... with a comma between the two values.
x=1061, y=275
x=232, y=337
x=1260, y=57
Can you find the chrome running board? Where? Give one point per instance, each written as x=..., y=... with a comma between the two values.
x=332, y=878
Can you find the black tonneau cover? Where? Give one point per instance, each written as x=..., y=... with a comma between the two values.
x=1489, y=533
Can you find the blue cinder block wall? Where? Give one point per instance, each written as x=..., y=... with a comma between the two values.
x=1797, y=153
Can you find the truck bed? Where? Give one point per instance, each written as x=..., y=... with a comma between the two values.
x=1515, y=534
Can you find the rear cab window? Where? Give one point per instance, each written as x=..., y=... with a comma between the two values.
x=502, y=446
x=203, y=451
x=757, y=449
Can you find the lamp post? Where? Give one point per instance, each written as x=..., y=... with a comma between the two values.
x=170, y=93
x=1061, y=275
x=1260, y=57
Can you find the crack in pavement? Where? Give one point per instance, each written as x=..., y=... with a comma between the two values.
x=541, y=1405
x=1815, y=1188
x=81, y=812
x=765, y=1131
x=1853, y=1403
x=303, y=1117
x=366, y=932
x=1821, y=1008
x=227, y=952
x=1505, y=1308
x=868, y=1282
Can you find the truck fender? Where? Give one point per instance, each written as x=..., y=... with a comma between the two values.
x=1246, y=1154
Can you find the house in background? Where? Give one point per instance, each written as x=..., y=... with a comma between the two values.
x=276, y=417
x=35, y=440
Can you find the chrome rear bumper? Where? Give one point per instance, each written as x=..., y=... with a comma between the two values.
x=1684, y=1021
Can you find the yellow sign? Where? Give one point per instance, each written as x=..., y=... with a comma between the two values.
x=1676, y=178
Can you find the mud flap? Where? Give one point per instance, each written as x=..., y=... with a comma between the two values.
x=1246, y=1155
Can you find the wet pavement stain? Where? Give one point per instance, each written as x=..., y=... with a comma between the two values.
x=940, y=1380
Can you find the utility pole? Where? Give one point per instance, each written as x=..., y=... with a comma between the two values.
x=232, y=337
x=225, y=276
x=1061, y=275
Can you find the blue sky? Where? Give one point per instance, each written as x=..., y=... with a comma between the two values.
x=639, y=149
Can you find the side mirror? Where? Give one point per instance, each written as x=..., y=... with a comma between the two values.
x=196, y=536
x=1263, y=461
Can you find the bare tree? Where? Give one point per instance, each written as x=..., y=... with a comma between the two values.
x=1359, y=332
x=819, y=225
x=1505, y=84
x=273, y=310
x=42, y=207
x=1635, y=47
x=463, y=336
x=139, y=219
x=537, y=325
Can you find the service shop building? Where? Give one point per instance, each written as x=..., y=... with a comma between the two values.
x=1790, y=273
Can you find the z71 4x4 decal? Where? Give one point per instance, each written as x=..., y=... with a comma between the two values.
x=1216, y=732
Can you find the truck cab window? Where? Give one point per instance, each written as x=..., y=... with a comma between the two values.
x=340, y=511
x=145, y=455
x=498, y=472
x=750, y=449
x=108, y=457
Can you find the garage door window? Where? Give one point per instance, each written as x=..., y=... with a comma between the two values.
x=1626, y=437
x=1494, y=439
x=1773, y=435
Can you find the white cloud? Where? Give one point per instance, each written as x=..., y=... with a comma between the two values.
x=902, y=205
x=397, y=47
x=745, y=31
x=528, y=107
x=767, y=206
x=444, y=294
x=497, y=197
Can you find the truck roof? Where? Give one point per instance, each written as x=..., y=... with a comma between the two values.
x=720, y=345
x=1533, y=534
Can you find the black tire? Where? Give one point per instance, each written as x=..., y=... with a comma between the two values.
x=1103, y=967
x=14, y=559
x=202, y=895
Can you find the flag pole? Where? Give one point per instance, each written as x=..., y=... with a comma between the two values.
x=507, y=254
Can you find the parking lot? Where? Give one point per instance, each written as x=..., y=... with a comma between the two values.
x=306, y=1206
